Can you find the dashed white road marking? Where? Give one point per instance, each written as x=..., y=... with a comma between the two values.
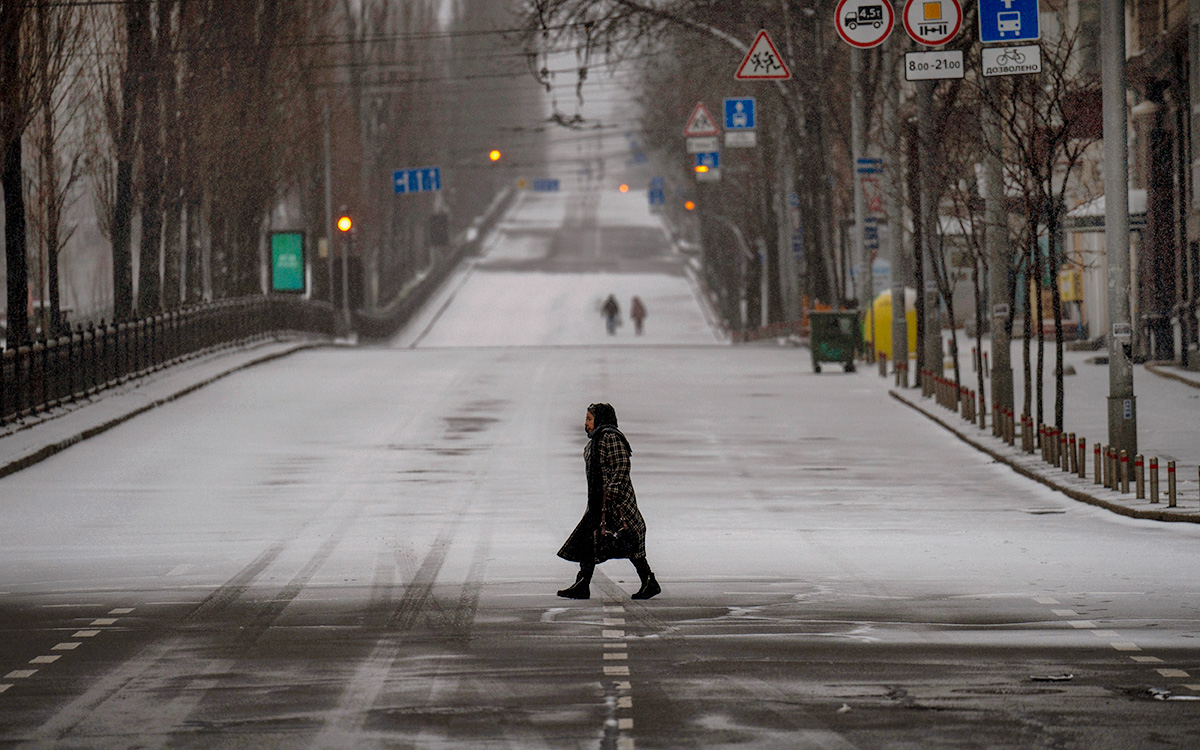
x=625, y=743
x=4, y=687
x=1065, y=612
x=121, y=611
x=1082, y=624
x=614, y=620
x=66, y=646
x=612, y=633
x=611, y=609
x=624, y=723
x=616, y=671
x=624, y=701
x=86, y=634
x=20, y=674
x=1106, y=633
x=104, y=621
x=1173, y=673
x=1045, y=600
x=615, y=656
x=45, y=659
x=1146, y=659
x=1125, y=646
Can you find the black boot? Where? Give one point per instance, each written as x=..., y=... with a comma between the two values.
x=650, y=587
x=582, y=587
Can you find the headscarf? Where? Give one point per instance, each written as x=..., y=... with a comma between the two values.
x=604, y=419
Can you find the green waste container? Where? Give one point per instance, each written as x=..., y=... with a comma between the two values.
x=834, y=337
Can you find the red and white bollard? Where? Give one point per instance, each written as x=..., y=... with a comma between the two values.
x=1154, y=480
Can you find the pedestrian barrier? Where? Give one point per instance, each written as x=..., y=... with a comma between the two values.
x=1112, y=468
x=51, y=372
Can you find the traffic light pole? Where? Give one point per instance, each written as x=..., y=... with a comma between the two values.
x=1122, y=406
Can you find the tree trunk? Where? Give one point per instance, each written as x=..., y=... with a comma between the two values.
x=1041, y=335
x=1056, y=306
x=14, y=246
x=137, y=27
x=149, y=280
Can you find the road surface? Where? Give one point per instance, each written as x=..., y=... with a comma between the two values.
x=354, y=547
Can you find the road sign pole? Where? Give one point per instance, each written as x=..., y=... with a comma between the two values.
x=856, y=148
x=929, y=220
x=1122, y=408
x=895, y=212
x=328, y=204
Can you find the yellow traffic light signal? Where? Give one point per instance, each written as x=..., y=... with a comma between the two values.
x=689, y=205
x=494, y=155
x=701, y=168
x=344, y=223
x=624, y=188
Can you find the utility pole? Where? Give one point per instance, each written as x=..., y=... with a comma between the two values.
x=999, y=254
x=929, y=223
x=328, y=204
x=1122, y=406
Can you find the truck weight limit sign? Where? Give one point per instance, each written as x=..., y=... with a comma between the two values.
x=864, y=23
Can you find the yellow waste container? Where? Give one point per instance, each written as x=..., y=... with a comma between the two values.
x=882, y=325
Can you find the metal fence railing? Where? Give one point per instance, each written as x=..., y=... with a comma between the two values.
x=54, y=371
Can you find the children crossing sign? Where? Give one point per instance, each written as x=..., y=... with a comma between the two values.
x=763, y=62
x=701, y=123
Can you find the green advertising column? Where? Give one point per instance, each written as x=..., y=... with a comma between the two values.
x=287, y=262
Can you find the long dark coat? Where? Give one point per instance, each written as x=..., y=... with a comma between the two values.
x=610, y=491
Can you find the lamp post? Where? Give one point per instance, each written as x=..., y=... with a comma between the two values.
x=346, y=225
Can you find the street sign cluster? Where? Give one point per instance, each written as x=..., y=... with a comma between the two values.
x=658, y=192
x=933, y=23
x=418, y=180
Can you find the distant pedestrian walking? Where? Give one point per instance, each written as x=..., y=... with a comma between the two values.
x=637, y=311
x=612, y=314
x=612, y=527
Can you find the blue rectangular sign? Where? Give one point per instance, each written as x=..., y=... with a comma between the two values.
x=739, y=113
x=545, y=186
x=658, y=183
x=657, y=196
x=1008, y=21
x=417, y=180
x=710, y=159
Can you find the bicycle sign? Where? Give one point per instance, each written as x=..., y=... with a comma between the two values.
x=1011, y=61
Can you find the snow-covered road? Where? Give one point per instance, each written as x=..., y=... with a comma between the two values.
x=355, y=548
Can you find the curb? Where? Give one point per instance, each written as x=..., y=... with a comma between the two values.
x=1072, y=492
x=59, y=446
x=1152, y=367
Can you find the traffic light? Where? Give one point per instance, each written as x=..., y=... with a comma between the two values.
x=689, y=205
x=494, y=155
x=344, y=223
x=624, y=188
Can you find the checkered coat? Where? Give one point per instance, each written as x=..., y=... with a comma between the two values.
x=610, y=496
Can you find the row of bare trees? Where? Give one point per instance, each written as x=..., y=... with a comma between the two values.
x=688, y=51
x=161, y=140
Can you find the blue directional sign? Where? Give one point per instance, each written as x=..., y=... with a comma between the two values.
x=418, y=180
x=710, y=159
x=545, y=186
x=657, y=183
x=657, y=196
x=1008, y=20
x=739, y=113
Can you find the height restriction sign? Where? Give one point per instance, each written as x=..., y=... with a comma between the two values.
x=932, y=22
x=864, y=23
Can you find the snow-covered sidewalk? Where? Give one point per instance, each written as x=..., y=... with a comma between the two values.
x=1168, y=411
x=35, y=438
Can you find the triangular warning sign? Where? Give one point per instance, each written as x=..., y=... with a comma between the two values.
x=701, y=123
x=762, y=62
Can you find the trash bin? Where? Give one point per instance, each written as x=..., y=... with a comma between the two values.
x=834, y=337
